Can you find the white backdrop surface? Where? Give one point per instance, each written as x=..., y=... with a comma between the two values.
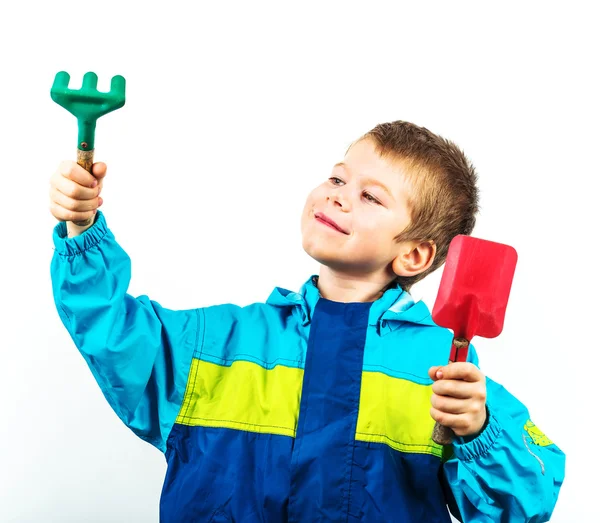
x=234, y=112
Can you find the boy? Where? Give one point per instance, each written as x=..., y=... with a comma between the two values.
x=317, y=405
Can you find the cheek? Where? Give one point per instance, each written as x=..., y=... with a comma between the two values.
x=308, y=205
x=374, y=224
x=377, y=232
x=306, y=211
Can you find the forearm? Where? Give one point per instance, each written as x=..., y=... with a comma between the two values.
x=505, y=473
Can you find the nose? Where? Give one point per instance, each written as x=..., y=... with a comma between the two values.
x=338, y=198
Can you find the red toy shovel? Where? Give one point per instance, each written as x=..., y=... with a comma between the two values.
x=472, y=298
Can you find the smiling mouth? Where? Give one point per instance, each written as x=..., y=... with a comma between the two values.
x=320, y=217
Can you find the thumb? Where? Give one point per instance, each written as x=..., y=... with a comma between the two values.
x=99, y=170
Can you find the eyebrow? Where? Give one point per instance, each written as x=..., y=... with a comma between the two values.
x=370, y=181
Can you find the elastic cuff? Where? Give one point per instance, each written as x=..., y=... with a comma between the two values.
x=466, y=450
x=79, y=244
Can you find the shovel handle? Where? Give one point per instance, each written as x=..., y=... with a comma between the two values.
x=86, y=160
x=443, y=435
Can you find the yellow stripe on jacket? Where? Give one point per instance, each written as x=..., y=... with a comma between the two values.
x=243, y=396
x=396, y=412
x=246, y=396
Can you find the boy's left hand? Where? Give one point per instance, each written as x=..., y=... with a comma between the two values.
x=458, y=399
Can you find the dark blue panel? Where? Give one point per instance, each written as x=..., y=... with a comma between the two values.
x=388, y=486
x=222, y=475
x=217, y=474
x=323, y=448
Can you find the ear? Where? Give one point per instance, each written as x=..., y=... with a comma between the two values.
x=414, y=258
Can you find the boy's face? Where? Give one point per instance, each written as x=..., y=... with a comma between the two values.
x=366, y=197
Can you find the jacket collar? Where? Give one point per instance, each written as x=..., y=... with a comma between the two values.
x=396, y=306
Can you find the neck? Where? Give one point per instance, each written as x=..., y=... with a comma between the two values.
x=346, y=288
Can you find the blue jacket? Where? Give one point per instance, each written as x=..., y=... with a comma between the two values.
x=299, y=409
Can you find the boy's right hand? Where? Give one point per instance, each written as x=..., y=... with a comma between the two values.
x=75, y=194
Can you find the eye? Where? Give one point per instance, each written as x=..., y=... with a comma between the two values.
x=335, y=179
x=371, y=198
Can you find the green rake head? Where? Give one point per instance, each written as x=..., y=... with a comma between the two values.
x=88, y=104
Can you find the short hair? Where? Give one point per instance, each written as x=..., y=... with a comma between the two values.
x=445, y=197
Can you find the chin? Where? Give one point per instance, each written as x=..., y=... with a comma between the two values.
x=319, y=255
x=331, y=259
x=310, y=250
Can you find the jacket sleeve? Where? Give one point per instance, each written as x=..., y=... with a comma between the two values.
x=511, y=472
x=139, y=352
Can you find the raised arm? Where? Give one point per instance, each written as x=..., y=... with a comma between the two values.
x=139, y=352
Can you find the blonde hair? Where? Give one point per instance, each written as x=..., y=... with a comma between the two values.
x=445, y=196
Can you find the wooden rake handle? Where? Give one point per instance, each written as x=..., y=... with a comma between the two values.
x=86, y=160
x=443, y=435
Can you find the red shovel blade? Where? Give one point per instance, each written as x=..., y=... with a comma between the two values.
x=475, y=286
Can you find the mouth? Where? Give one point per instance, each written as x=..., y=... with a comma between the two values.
x=319, y=216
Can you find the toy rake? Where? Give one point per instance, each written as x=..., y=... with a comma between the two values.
x=87, y=105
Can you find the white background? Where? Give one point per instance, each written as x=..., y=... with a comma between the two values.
x=235, y=111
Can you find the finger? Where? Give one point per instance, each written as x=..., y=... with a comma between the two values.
x=73, y=189
x=476, y=391
x=460, y=371
x=65, y=215
x=74, y=172
x=99, y=170
x=432, y=372
x=454, y=389
x=457, y=422
x=449, y=405
x=74, y=205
